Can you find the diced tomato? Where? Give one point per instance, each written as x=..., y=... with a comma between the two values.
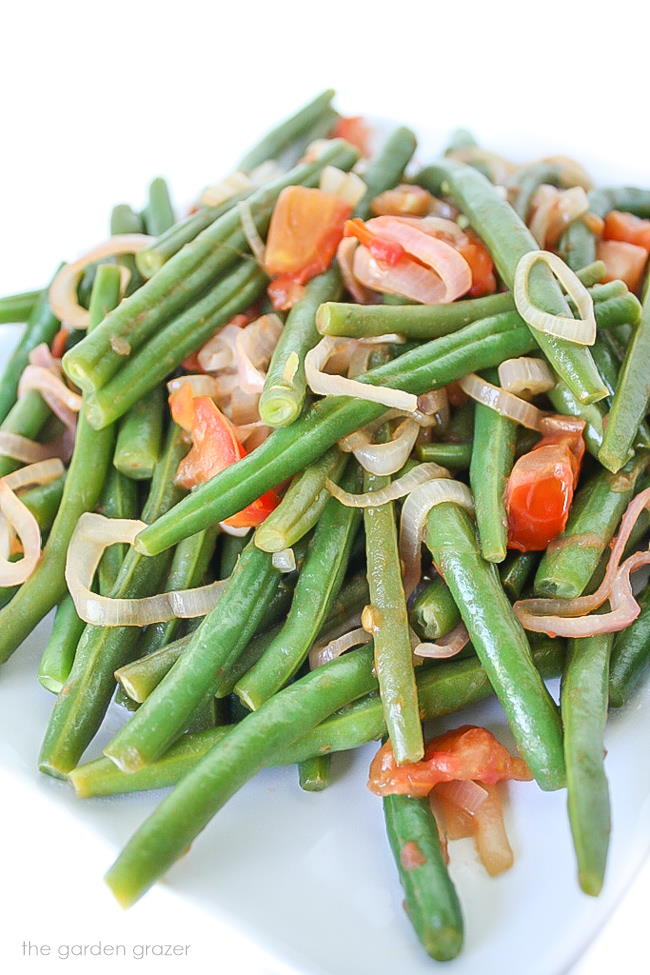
x=480, y=262
x=540, y=490
x=622, y=260
x=285, y=292
x=214, y=447
x=388, y=251
x=354, y=130
x=468, y=752
x=403, y=201
x=306, y=227
x=59, y=342
x=628, y=228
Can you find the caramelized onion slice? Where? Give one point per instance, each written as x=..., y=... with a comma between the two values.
x=328, y=385
x=582, y=331
x=412, y=522
x=501, y=401
x=396, y=489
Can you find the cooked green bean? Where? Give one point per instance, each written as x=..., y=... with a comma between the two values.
x=18, y=307
x=318, y=585
x=86, y=474
x=388, y=622
x=314, y=773
x=578, y=243
x=630, y=655
x=442, y=689
x=184, y=277
x=387, y=167
x=516, y=571
x=499, y=641
x=302, y=505
x=230, y=764
x=230, y=549
x=119, y=499
x=455, y=456
x=281, y=137
x=124, y=220
x=508, y=240
x=285, y=386
x=139, y=438
x=431, y=901
x=41, y=326
x=584, y=713
x=43, y=501
x=159, y=212
x=493, y=454
x=58, y=656
x=196, y=675
x=631, y=396
x=27, y=418
x=434, y=611
x=80, y=707
x=571, y=559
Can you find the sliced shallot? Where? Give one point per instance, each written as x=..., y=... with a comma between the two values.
x=322, y=653
x=26, y=451
x=396, y=489
x=18, y=519
x=525, y=377
x=502, y=402
x=251, y=233
x=582, y=331
x=387, y=458
x=328, y=385
x=447, y=646
x=412, y=522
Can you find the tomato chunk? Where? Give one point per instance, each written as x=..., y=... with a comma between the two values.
x=628, y=228
x=622, y=260
x=354, y=130
x=388, y=251
x=480, y=262
x=540, y=490
x=468, y=752
x=214, y=447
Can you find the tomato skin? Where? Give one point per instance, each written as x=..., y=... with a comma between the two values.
x=540, y=490
x=354, y=130
x=388, y=251
x=214, y=447
x=628, y=228
x=468, y=752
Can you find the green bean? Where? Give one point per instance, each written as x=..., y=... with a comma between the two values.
x=139, y=438
x=584, y=713
x=159, y=212
x=318, y=585
x=230, y=764
x=424, y=322
x=302, y=505
x=387, y=168
x=493, y=454
x=460, y=138
x=314, y=773
x=455, y=456
x=434, y=611
x=119, y=499
x=80, y=707
x=321, y=128
x=285, y=386
x=593, y=414
x=41, y=326
x=571, y=559
x=187, y=570
x=592, y=274
x=292, y=448
x=231, y=548
x=58, y=656
x=125, y=220
x=499, y=641
x=152, y=258
x=443, y=689
x=389, y=624
x=26, y=418
x=19, y=307
x=88, y=467
x=431, y=901
x=631, y=397
x=516, y=571
x=185, y=276
x=150, y=365
x=508, y=240
x=139, y=677
x=43, y=501
x=630, y=655
x=196, y=675
x=460, y=428
x=281, y=137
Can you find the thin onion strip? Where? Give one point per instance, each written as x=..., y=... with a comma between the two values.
x=392, y=492
x=582, y=331
x=328, y=385
x=251, y=233
x=501, y=401
x=525, y=377
x=26, y=451
x=447, y=646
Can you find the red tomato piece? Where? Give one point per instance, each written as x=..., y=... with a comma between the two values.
x=540, y=490
x=388, y=251
x=622, y=260
x=468, y=752
x=480, y=263
x=306, y=228
x=628, y=228
x=354, y=130
x=58, y=342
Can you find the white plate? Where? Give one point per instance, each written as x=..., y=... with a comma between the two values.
x=310, y=879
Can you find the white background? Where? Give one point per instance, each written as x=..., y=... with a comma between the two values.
x=98, y=98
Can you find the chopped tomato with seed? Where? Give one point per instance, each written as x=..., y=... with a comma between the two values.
x=388, y=251
x=540, y=490
x=306, y=228
x=214, y=447
x=622, y=260
x=468, y=752
x=628, y=228
x=354, y=130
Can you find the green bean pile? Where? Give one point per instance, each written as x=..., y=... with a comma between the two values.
x=215, y=698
